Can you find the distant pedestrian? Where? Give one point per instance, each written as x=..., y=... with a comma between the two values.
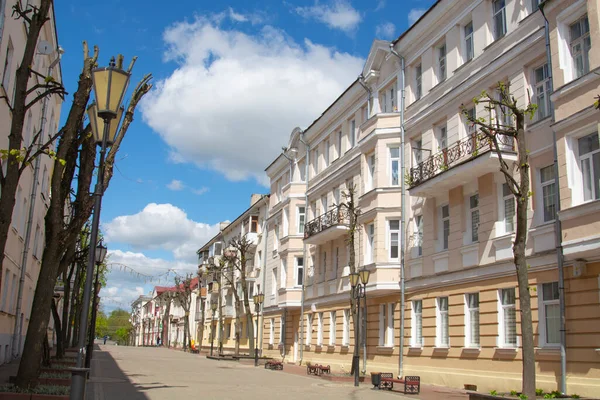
x=157, y=341
x=105, y=337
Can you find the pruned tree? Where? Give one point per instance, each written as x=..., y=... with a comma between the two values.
x=166, y=301
x=227, y=268
x=74, y=166
x=202, y=313
x=31, y=87
x=238, y=259
x=349, y=207
x=505, y=125
x=183, y=297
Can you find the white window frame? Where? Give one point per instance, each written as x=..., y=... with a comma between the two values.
x=394, y=160
x=470, y=341
x=274, y=282
x=283, y=272
x=564, y=20
x=418, y=81
x=469, y=42
x=391, y=232
x=309, y=323
x=580, y=41
x=416, y=325
x=543, y=317
x=332, y=328
x=547, y=184
x=370, y=243
x=281, y=330
x=499, y=31
x=326, y=150
x=502, y=339
x=271, y=331
x=369, y=184
x=339, y=143
x=419, y=234
x=346, y=328
x=299, y=271
x=442, y=67
x=441, y=316
x=589, y=156
x=320, y=329
x=541, y=91
x=444, y=234
x=474, y=217
x=300, y=219
x=352, y=134
x=507, y=196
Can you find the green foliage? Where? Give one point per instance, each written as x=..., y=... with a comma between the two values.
x=118, y=326
x=39, y=389
x=56, y=375
x=575, y=396
x=494, y=392
x=513, y=392
x=101, y=324
x=539, y=392
x=408, y=179
x=523, y=396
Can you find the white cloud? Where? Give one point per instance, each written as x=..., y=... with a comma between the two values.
x=175, y=185
x=253, y=18
x=385, y=30
x=234, y=99
x=160, y=226
x=415, y=14
x=380, y=5
x=338, y=15
x=200, y=191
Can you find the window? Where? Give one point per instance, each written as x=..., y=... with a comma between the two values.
x=336, y=261
x=589, y=162
x=281, y=330
x=324, y=204
x=548, y=192
x=472, y=320
x=336, y=196
x=275, y=238
x=388, y=100
x=271, y=331
x=299, y=270
x=320, y=329
x=36, y=242
x=218, y=248
x=418, y=82
x=352, y=133
x=419, y=234
x=417, y=323
x=443, y=139
x=309, y=322
x=279, y=194
x=326, y=153
x=386, y=325
x=542, y=92
x=27, y=134
x=5, y=289
x=474, y=216
x=283, y=273
x=6, y=72
x=445, y=226
x=508, y=320
x=24, y=215
x=549, y=314
x=441, y=72
x=535, y=5
x=394, y=232
x=392, y=100
x=370, y=243
x=346, y=328
x=17, y=210
x=13, y=288
x=395, y=165
x=442, y=329
x=470, y=128
x=339, y=143
x=254, y=224
x=332, y=318
x=316, y=161
x=508, y=200
x=274, y=282
x=301, y=220
x=324, y=264
x=370, y=172
x=580, y=44
x=417, y=151
x=499, y=18
x=469, y=47
x=365, y=112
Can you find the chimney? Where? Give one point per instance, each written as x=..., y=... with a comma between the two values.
x=223, y=225
x=254, y=198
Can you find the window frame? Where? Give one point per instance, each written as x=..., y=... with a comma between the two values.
x=441, y=316
x=416, y=328
x=469, y=342
x=502, y=339
x=497, y=35
x=442, y=67
x=418, y=220
x=474, y=210
x=346, y=328
x=543, y=315
x=394, y=160
x=352, y=134
x=544, y=85
x=332, y=327
x=595, y=193
x=469, y=42
x=543, y=185
x=390, y=241
x=507, y=195
x=418, y=81
x=300, y=219
x=444, y=228
x=370, y=242
x=371, y=160
x=581, y=41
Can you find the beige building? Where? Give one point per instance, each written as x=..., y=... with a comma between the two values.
x=26, y=236
x=461, y=304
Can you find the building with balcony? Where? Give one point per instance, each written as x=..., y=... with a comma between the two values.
x=462, y=322
x=25, y=242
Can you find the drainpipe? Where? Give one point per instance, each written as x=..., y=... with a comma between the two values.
x=304, y=261
x=16, y=342
x=361, y=80
x=402, y=215
x=557, y=222
x=261, y=317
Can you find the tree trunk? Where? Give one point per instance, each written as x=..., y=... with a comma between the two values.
x=9, y=182
x=46, y=350
x=238, y=327
x=201, y=325
x=165, y=324
x=247, y=309
x=66, y=310
x=521, y=263
x=60, y=349
x=73, y=310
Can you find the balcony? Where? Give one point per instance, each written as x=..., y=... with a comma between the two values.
x=329, y=226
x=458, y=164
x=198, y=316
x=253, y=274
x=229, y=311
x=252, y=238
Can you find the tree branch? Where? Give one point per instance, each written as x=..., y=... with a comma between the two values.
x=55, y=90
x=7, y=102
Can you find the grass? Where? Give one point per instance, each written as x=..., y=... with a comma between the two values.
x=40, y=389
x=55, y=375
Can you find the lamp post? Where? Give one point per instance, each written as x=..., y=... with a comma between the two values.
x=213, y=307
x=110, y=84
x=100, y=254
x=258, y=300
x=358, y=282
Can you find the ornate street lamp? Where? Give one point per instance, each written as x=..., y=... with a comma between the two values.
x=358, y=282
x=100, y=255
x=213, y=307
x=258, y=300
x=110, y=85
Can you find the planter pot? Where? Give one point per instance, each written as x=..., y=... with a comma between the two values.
x=55, y=381
x=14, y=396
x=376, y=378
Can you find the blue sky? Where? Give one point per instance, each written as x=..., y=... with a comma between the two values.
x=232, y=79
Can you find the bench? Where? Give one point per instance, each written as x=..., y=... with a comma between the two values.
x=272, y=364
x=412, y=384
x=324, y=369
x=312, y=369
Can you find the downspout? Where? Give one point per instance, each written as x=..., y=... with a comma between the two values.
x=261, y=316
x=304, y=261
x=16, y=342
x=361, y=80
x=557, y=222
x=402, y=215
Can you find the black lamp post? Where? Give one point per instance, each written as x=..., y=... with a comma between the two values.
x=359, y=291
x=258, y=300
x=100, y=255
x=110, y=85
x=213, y=307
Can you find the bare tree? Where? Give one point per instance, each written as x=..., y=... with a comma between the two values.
x=183, y=297
x=76, y=152
x=226, y=265
x=202, y=313
x=28, y=93
x=506, y=123
x=238, y=259
x=165, y=299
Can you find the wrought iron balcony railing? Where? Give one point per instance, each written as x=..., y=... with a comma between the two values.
x=464, y=150
x=338, y=215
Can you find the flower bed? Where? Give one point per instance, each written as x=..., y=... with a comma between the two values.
x=40, y=392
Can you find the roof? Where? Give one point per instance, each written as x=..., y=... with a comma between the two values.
x=162, y=289
x=416, y=22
